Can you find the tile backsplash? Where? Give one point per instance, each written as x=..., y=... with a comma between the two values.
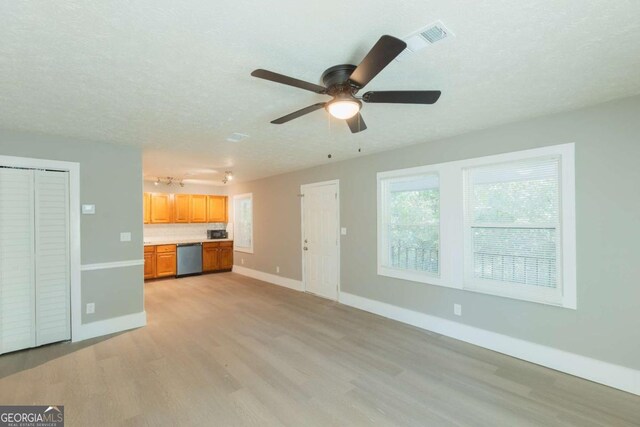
x=164, y=232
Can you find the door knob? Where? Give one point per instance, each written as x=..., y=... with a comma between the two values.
x=305, y=248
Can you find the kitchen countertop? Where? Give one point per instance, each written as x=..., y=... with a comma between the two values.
x=181, y=241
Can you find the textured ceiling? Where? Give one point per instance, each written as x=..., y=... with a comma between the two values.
x=173, y=76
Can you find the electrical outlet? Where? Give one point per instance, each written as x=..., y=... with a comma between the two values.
x=91, y=308
x=277, y=269
x=343, y=231
x=125, y=237
x=457, y=309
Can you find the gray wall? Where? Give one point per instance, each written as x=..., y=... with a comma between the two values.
x=606, y=325
x=110, y=178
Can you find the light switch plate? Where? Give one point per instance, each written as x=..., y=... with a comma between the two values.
x=91, y=308
x=457, y=309
x=88, y=209
x=125, y=237
x=343, y=231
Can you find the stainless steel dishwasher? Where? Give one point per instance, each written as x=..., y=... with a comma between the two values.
x=189, y=259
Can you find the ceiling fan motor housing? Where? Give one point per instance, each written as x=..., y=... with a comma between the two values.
x=336, y=80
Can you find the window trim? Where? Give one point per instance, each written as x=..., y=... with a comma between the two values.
x=237, y=198
x=383, y=181
x=453, y=249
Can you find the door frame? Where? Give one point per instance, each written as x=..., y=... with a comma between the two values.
x=302, y=188
x=73, y=168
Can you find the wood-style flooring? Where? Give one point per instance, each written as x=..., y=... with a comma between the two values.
x=227, y=350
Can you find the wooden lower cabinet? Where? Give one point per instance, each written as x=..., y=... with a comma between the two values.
x=166, y=260
x=210, y=257
x=149, y=262
x=217, y=256
x=159, y=261
x=226, y=257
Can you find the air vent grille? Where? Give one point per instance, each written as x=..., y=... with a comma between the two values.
x=236, y=137
x=434, y=33
x=427, y=36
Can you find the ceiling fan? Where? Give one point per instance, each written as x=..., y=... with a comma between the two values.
x=342, y=82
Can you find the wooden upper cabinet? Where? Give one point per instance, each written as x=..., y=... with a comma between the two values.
x=217, y=208
x=164, y=208
x=181, y=207
x=161, y=208
x=198, y=208
x=146, y=208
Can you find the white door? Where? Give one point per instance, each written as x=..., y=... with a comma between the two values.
x=34, y=258
x=53, y=322
x=17, y=260
x=320, y=238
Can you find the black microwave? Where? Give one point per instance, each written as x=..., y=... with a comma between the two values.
x=216, y=234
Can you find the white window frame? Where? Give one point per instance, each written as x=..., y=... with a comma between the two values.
x=236, y=199
x=385, y=179
x=453, y=255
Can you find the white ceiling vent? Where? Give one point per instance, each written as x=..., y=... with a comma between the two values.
x=237, y=137
x=431, y=34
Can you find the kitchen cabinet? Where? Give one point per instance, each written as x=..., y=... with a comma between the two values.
x=149, y=262
x=225, y=256
x=217, y=208
x=210, y=257
x=217, y=256
x=146, y=208
x=165, y=208
x=161, y=208
x=159, y=261
x=165, y=260
x=181, y=208
x=198, y=208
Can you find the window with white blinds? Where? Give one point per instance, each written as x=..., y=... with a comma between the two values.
x=412, y=224
x=243, y=222
x=512, y=228
x=501, y=225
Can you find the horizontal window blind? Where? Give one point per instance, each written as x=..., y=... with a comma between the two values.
x=513, y=222
x=412, y=223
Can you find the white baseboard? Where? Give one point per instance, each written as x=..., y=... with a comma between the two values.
x=616, y=376
x=110, y=326
x=271, y=278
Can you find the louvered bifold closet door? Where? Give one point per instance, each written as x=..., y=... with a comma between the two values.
x=52, y=256
x=17, y=281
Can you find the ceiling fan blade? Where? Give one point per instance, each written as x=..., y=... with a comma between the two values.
x=402, y=96
x=299, y=113
x=286, y=80
x=356, y=123
x=380, y=55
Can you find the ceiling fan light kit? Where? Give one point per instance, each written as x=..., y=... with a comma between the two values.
x=343, y=108
x=342, y=83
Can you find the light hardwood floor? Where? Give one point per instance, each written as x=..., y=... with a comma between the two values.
x=227, y=350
